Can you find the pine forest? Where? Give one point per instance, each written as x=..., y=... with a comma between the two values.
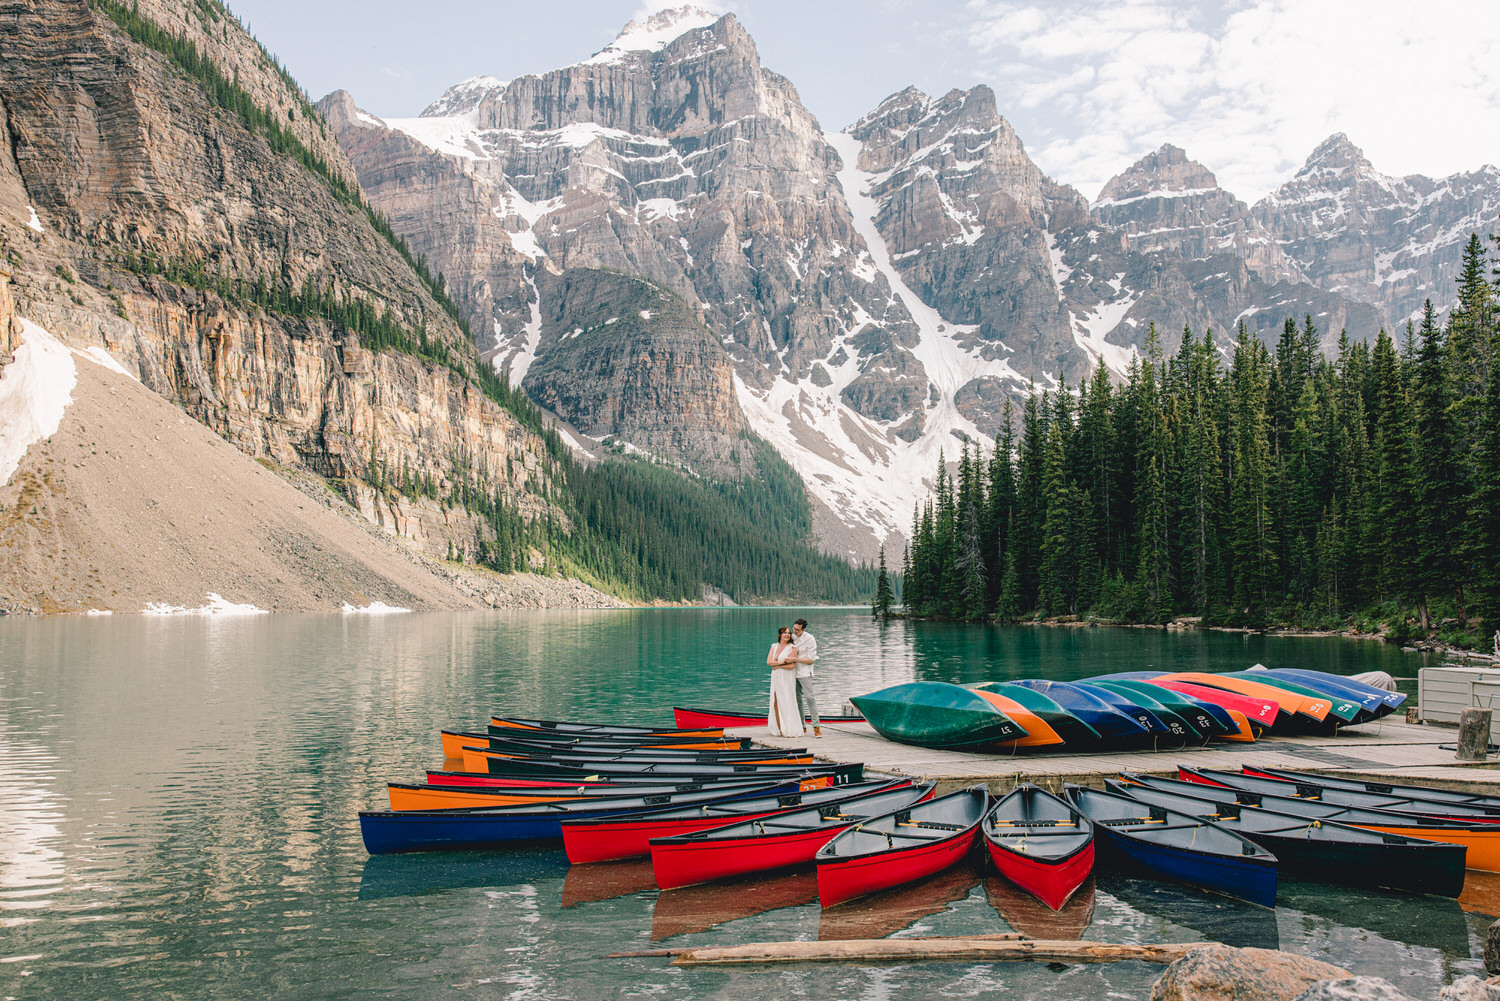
x=1246, y=486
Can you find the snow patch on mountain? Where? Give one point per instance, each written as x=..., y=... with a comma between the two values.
x=855, y=465
x=1091, y=329
x=36, y=390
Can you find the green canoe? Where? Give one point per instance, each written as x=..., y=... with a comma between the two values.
x=936, y=714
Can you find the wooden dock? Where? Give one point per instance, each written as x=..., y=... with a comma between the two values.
x=1389, y=748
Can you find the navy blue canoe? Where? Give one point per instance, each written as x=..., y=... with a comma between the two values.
x=1153, y=723
x=1373, y=702
x=1178, y=846
x=1111, y=723
x=387, y=831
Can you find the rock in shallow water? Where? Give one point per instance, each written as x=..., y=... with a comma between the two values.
x=1353, y=989
x=1223, y=973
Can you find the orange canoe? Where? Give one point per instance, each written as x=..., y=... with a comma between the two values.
x=1038, y=733
x=1290, y=702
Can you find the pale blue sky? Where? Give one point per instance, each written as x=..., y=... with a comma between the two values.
x=1247, y=87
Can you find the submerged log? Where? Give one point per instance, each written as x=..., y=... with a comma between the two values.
x=992, y=949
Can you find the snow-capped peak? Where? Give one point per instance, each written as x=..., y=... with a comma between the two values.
x=463, y=97
x=654, y=33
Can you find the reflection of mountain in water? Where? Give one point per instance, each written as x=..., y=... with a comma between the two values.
x=420, y=873
x=1335, y=912
x=892, y=910
x=1215, y=918
x=689, y=909
x=1034, y=919
x=593, y=881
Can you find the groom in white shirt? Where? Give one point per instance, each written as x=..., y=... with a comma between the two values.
x=807, y=652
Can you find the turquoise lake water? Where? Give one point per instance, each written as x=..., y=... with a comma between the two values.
x=179, y=800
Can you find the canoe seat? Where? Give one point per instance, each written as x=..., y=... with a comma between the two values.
x=933, y=824
x=1035, y=823
x=1123, y=821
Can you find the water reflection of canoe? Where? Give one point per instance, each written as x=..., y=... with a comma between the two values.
x=1419, y=921
x=886, y=913
x=1215, y=917
x=1029, y=916
x=418, y=874
x=690, y=909
x=593, y=881
x=1481, y=894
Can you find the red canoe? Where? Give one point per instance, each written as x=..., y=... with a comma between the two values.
x=1040, y=843
x=728, y=718
x=603, y=839
x=909, y=844
x=789, y=839
x=1261, y=712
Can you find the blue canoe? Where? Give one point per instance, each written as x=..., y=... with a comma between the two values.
x=1179, y=846
x=1177, y=727
x=1373, y=702
x=1207, y=718
x=1111, y=723
x=386, y=831
x=1152, y=722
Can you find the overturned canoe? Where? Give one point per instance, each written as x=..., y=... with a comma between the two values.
x=936, y=714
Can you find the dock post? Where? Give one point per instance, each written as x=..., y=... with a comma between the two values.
x=1473, y=734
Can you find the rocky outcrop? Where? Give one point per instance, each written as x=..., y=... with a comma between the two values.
x=625, y=359
x=191, y=248
x=1166, y=202
x=1224, y=973
x=10, y=328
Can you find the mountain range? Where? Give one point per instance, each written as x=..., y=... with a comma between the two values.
x=660, y=245
x=863, y=299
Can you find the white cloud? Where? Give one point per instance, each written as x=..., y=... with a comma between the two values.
x=1247, y=88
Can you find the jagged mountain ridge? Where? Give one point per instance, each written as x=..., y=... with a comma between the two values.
x=879, y=292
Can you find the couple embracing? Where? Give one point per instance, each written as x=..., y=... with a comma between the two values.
x=791, y=660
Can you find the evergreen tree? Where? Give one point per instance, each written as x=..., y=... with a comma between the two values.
x=1441, y=485
x=1252, y=533
x=1153, y=559
x=1393, y=493
x=883, y=598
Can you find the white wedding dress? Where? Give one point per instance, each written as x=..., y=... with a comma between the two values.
x=784, y=719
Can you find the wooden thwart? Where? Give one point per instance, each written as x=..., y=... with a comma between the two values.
x=994, y=948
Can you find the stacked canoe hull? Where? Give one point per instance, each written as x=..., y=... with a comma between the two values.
x=1145, y=709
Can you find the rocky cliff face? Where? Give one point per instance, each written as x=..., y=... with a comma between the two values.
x=129, y=174
x=1387, y=241
x=1380, y=244
x=1166, y=202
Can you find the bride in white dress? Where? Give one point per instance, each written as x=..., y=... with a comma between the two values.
x=784, y=718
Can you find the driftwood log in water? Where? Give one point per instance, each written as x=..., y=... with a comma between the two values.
x=994, y=948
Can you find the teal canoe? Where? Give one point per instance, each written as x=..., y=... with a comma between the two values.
x=936, y=714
